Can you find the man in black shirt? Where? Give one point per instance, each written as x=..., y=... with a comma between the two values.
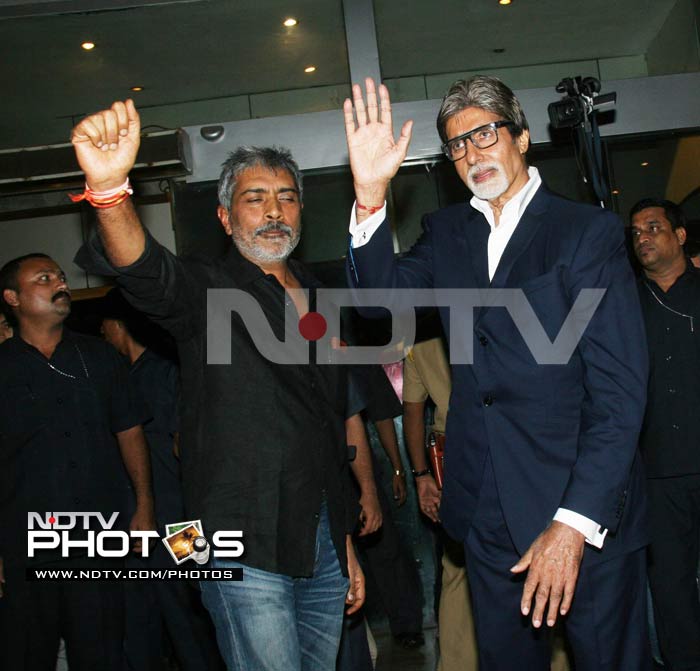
x=669, y=288
x=262, y=444
x=154, y=607
x=70, y=432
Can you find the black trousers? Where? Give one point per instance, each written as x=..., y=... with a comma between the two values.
x=156, y=609
x=674, y=505
x=392, y=570
x=35, y=615
x=606, y=626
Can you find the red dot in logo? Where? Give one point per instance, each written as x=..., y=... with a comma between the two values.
x=312, y=326
x=52, y=520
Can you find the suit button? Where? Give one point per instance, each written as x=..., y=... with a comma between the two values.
x=488, y=400
x=483, y=340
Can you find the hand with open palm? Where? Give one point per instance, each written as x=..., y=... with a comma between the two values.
x=375, y=156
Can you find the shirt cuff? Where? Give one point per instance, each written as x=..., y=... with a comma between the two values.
x=592, y=531
x=362, y=233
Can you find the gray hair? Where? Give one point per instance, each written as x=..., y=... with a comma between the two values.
x=487, y=93
x=271, y=158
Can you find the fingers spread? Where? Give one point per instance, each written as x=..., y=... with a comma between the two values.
x=349, y=117
x=360, y=111
x=372, y=113
x=541, y=597
x=555, y=596
x=569, y=590
x=385, y=105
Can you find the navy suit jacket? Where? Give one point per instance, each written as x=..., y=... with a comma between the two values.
x=558, y=435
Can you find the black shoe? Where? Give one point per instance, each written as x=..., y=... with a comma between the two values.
x=410, y=639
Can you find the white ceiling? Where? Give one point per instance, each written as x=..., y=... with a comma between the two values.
x=196, y=50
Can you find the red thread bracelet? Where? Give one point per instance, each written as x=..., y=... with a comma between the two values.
x=104, y=199
x=370, y=210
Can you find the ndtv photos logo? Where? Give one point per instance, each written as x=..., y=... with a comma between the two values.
x=94, y=535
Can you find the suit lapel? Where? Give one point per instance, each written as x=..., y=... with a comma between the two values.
x=475, y=231
x=522, y=237
x=471, y=234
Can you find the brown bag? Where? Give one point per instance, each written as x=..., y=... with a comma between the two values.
x=436, y=452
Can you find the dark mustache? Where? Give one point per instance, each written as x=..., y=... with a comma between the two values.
x=60, y=294
x=276, y=227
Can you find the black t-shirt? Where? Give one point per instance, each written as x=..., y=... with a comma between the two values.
x=58, y=420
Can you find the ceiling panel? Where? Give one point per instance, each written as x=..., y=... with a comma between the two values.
x=178, y=52
x=417, y=37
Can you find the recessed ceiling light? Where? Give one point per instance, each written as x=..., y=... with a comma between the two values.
x=616, y=192
x=644, y=164
x=137, y=88
x=290, y=22
x=504, y=2
x=88, y=46
x=311, y=68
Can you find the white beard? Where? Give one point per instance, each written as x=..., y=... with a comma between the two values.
x=251, y=248
x=491, y=188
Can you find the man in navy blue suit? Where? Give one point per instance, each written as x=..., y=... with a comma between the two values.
x=543, y=483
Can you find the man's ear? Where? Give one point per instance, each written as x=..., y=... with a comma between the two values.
x=524, y=141
x=223, y=215
x=10, y=296
x=681, y=234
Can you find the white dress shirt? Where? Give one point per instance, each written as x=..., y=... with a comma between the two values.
x=500, y=234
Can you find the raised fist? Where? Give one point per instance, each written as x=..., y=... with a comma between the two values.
x=106, y=144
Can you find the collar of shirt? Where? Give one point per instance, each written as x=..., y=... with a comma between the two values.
x=510, y=216
x=246, y=271
x=690, y=275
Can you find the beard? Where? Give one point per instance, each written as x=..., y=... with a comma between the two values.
x=493, y=187
x=264, y=250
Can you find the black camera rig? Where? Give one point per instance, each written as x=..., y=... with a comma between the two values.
x=582, y=98
x=577, y=110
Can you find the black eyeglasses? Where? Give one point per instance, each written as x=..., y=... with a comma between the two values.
x=482, y=137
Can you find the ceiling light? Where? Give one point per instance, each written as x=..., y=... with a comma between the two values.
x=88, y=46
x=504, y=2
x=616, y=192
x=137, y=88
x=290, y=22
x=311, y=68
x=644, y=164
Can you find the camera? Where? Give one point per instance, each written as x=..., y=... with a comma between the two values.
x=566, y=113
x=582, y=97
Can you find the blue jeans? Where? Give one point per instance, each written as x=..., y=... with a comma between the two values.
x=271, y=622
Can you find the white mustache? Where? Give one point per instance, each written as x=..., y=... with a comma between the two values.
x=480, y=167
x=267, y=228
